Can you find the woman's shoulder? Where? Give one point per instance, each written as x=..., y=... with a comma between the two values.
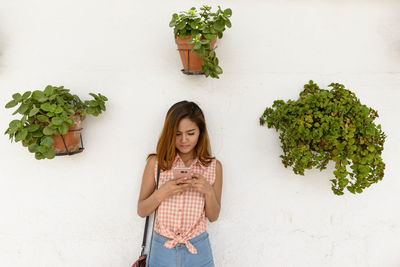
x=218, y=163
x=152, y=159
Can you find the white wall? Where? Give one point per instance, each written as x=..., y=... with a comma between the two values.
x=80, y=211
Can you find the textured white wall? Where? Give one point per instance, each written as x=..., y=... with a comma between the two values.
x=80, y=211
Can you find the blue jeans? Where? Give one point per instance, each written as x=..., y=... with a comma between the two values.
x=179, y=256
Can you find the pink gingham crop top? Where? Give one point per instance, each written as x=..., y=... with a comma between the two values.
x=182, y=216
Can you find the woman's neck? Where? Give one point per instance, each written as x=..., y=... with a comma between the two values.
x=187, y=158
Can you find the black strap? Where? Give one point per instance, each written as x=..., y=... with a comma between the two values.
x=147, y=218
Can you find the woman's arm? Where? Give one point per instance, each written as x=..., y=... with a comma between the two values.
x=213, y=201
x=149, y=199
x=212, y=193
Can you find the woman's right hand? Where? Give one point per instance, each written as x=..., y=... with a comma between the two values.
x=174, y=187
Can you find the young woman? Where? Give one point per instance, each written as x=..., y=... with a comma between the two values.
x=183, y=204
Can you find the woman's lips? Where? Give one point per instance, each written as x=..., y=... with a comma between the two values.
x=185, y=146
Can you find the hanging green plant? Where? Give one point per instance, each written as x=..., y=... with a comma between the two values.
x=324, y=125
x=47, y=114
x=197, y=32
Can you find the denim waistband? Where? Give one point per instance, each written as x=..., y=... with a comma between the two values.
x=161, y=239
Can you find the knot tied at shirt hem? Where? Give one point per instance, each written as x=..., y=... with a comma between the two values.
x=173, y=242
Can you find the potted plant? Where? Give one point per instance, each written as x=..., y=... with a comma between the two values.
x=195, y=34
x=51, y=120
x=324, y=125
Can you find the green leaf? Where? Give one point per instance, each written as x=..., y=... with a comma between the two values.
x=351, y=189
x=103, y=97
x=70, y=121
x=16, y=123
x=11, y=130
x=23, y=120
x=50, y=153
x=60, y=100
x=33, y=112
x=57, y=121
x=11, y=104
x=21, y=135
x=196, y=46
x=370, y=131
x=174, y=18
x=17, y=97
x=39, y=96
x=46, y=141
x=93, y=103
x=33, y=128
x=91, y=110
x=63, y=128
x=69, y=111
x=343, y=182
x=228, y=12
x=181, y=25
x=31, y=119
x=219, y=26
x=42, y=149
x=201, y=52
x=364, y=111
x=33, y=148
x=48, y=91
x=209, y=36
x=53, y=108
x=48, y=131
x=37, y=134
x=39, y=156
x=215, y=61
x=94, y=96
x=45, y=106
x=102, y=107
x=43, y=118
x=58, y=110
x=23, y=108
x=172, y=23
x=205, y=41
x=26, y=95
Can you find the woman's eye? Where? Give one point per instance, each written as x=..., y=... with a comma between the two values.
x=178, y=134
x=191, y=134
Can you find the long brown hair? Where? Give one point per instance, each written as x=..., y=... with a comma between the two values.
x=166, y=150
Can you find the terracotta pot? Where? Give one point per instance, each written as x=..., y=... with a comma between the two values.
x=191, y=61
x=72, y=138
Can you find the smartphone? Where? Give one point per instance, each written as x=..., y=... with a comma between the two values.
x=180, y=172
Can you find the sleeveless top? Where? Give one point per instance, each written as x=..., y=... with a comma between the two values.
x=182, y=216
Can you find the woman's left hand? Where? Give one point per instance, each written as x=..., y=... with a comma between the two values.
x=200, y=184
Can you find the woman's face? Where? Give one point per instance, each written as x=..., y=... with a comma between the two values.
x=187, y=136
